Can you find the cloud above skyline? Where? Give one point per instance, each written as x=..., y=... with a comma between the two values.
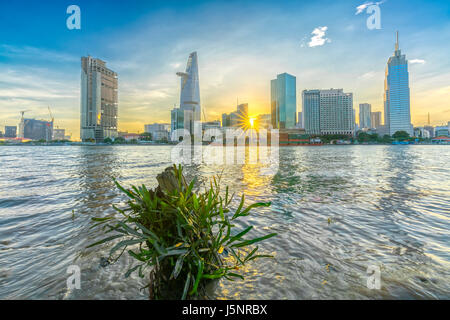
x=318, y=38
x=417, y=61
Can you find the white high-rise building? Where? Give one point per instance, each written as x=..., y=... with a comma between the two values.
x=364, y=115
x=328, y=112
x=375, y=119
x=99, y=100
x=397, y=111
x=336, y=112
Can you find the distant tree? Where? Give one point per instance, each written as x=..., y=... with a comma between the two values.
x=400, y=135
x=386, y=139
x=330, y=137
x=107, y=140
x=373, y=137
x=363, y=137
x=146, y=136
x=119, y=140
x=133, y=141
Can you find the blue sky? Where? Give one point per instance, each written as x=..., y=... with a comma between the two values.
x=241, y=46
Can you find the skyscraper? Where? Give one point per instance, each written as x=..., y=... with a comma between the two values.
x=397, y=113
x=189, y=110
x=10, y=131
x=99, y=100
x=336, y=112
x=375, y=119
x=283, y=101
x=328, y=112
x=311, y=111
x=364, y=115
x=242, y=110
x=190, y=89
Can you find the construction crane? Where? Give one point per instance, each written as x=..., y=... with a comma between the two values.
x=51, y=115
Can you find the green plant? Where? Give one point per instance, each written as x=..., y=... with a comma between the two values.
x=184, y=237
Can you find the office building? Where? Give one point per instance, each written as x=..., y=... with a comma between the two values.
x=59, y=134
x=311, y=111
x=430, y=129
x=441, y=131
x=10, y=131
x=211, y=125
x=99, y=100
x=36, y=129
x=328, y=112
x=336, y=112
x=283, y=101
x=226, y=120
x=420, y=132
x=375, y=119
x=365, y=110
x=181, y=119
x=397, y=113
x=159, y=131
x=190, y=109
x=190, y=87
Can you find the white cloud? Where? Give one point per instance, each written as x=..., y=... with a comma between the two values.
x=417, y=61
x=364, y=6
x=318, y=38
x=368, y=75
x=175, y=65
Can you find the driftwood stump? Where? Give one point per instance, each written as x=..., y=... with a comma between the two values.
x=168, y=181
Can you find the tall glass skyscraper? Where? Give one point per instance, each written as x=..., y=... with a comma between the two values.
x=190, y=89
x=397, y=112
x=283, y=101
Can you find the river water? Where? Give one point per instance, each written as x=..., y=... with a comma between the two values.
x=337, y=210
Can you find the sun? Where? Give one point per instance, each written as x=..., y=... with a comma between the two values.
x=252, y=122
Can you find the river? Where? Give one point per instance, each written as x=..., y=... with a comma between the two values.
x=337, y=210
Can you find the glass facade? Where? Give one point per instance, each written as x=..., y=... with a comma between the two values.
x=311, y=111
x=190, y=88
x=397, y=112
x=283, y=101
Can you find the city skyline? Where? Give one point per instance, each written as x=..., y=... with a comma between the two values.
x=39, y=71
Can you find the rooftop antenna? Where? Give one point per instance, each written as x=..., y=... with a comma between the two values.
x=396, y=43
